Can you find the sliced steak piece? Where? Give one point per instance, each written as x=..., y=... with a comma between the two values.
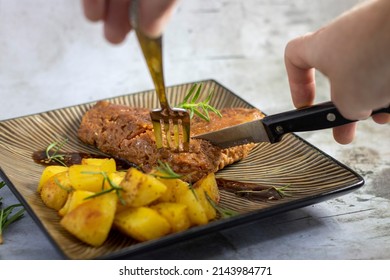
x=127, y=133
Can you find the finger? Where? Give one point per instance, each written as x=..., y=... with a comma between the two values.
x=301, y=74
x=94, y=9
x=344, y=134
x=381, y=118
x=117, y=25
x=154, y=14
x=346, y=102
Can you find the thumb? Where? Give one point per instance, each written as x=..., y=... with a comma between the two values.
x=154, y=14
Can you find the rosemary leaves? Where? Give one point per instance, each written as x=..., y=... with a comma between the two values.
x=7, y=216
x=194, y=106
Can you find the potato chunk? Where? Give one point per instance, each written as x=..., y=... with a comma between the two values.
x=86, y=177
x=106, y=164
x=54, y=192
x=206, y=189
x=195, y=210
x=208, y=208
x=115, y=178
x=174, y=188
x=142, y=223
x=92, y=220
x=209, y=184
x=75, y=198
x=140, y=189
x=48, y=172
x=175, y=213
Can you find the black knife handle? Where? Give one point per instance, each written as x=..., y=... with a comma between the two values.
x=316, y=117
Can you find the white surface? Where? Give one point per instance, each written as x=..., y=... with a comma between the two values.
x=52, y=57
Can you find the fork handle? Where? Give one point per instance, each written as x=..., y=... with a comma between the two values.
x=152, y=50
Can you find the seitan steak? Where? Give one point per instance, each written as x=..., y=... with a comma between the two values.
x=127, y=133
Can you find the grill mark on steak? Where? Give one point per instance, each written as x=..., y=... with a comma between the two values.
x=127, y=132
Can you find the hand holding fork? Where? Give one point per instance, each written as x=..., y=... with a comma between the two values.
x=171, y=125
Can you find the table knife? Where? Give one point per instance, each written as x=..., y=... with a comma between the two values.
x=271, y=128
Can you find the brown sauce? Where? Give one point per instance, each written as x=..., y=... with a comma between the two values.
x=249, y=190
x=69, y=159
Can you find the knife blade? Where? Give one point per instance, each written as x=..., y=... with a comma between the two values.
x=272, y=128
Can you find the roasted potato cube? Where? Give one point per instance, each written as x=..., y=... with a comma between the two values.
x=175, y=214
x=142, y=223
x=209, y=184
x=48, y=172
x=91, y=221
x=116, y=178
x=54, y=192
x=106, y=164
x=140, y=189
x=195, y=210
x=86, y=177
x=64, y=209
x=75, y=198
x=209, y=209
x=174, y=188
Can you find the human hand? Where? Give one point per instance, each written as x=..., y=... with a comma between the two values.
x=353, y=51
x=152, y=15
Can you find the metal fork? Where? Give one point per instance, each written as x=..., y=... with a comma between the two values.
x=171, y=125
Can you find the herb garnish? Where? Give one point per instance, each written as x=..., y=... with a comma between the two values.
x=62, y=186
x=267, y=193
x=224, y=212
x=281, y=190
x=6, y=217
x=52, y=152
x=164, y=171
x=200, y=108
x=113, y=187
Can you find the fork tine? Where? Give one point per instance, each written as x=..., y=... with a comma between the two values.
x=176, y=134
x=185, y=126
x=172, y=134
x=158, y=133
x=171, y=130
x=167, y=134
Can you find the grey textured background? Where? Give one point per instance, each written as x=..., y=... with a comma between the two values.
x=52, y=57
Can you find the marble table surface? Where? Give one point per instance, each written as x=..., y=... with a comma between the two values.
x=52, y=57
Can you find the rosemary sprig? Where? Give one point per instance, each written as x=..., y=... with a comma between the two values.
x=113, y=187
x=62, y=186
x=52, y=152
x=192, y=189
x=6, y=217
x=164, y=171
x=224, y=212
x=281, y=190
x=2, y=184
x=200, y=108
x=270, y=193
